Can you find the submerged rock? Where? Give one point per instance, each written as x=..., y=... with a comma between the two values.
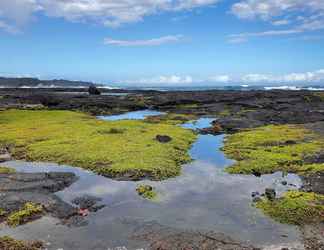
x=88, y=202
x=165, y=238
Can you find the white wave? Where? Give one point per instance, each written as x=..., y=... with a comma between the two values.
x=315, y=89
x=283, y=88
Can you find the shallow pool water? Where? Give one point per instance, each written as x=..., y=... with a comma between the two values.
x=135, y=115
x=203, y=197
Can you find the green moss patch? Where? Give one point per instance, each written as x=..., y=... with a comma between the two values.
x=8, y=243
x=110, y=148
x=295, y=208
x=146, y=191
x=171, y=118
x=273, y=148
x=27, y=213
x=5, y=170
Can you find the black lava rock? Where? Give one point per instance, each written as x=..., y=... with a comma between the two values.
x=163, y=138
x=93, y=90
x=270, y=193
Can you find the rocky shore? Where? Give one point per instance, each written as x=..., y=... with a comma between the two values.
x=237, y=112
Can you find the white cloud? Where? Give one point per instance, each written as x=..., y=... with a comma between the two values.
x=149, y=42
x=310, y=16
x=107, y=12
x=162, y=80
x=307, y=77
x=220, y=79
x=280, y=22
x=266, y=9
x=253, y=78
x=8, y=28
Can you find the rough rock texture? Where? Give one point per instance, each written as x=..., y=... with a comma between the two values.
x=236, y=109
x=314, y=183
x=88, y=202
x=165, y=238
x=93, y=90
x=19, y=188
x=313, y=236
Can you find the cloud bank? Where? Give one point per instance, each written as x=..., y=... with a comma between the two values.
x=312, y=77
x=299, y=15
x=149, y=42
x=112, y=13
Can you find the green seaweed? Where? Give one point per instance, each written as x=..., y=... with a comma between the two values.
x=8, y=243
x=146, y=191
x=295, y=207
x=110, y=148
x=171, y=118
x=273, y=148
x=6, y=170
x=25, y=214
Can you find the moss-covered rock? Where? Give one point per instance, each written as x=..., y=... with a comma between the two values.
x=111, y=148
x=146, y=191
x=171, y=118
x=274, y=148
x=295, y=207
x=8, y=243
x=6, y=170
x=28, y=212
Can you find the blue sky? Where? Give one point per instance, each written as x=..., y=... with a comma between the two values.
x=164, y=42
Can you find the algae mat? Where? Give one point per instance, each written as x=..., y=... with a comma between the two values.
x=110, y=148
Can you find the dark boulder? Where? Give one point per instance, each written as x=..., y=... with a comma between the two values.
x=163, y=138
x=93, y=90
x=256, y=173
x=270, y=193
x=88, y=202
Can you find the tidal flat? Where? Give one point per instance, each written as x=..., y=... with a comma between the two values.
x=209, y=168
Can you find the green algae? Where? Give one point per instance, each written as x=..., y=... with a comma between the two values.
x=146, y=191
x=8, y=243
x=27, y=213
x=171, y=118
x=2, y=212
x=110, y=148
x=6, y=170
x=295, y=207
x=273, y=148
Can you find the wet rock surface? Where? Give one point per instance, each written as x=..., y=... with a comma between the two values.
x=4, y=155
x=165, y=238
x=16, y=189
x=88, y=202
x=314, y=183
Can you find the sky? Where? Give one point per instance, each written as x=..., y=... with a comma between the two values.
x=164, y=42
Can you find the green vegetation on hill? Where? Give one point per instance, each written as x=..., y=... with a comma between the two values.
x=295, y=208
x=110, y=148
x=274, y=148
